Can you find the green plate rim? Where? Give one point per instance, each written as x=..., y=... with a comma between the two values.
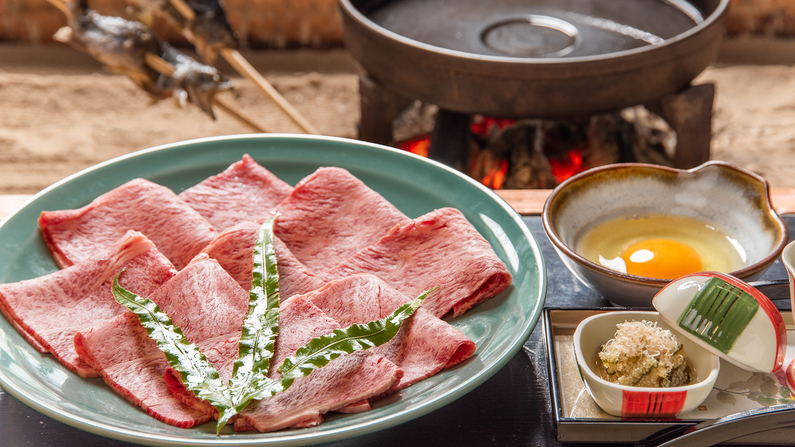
x=334, y=153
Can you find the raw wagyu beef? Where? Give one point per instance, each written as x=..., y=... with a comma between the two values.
x=424, y=345
x=131, y=363
x=330, y=215
x=209, y=307
x=345, y=256
x=49, y=310
x=233, y=249
x=440, y=249
x=244, y=191
x=178, y=231
x=345, y=380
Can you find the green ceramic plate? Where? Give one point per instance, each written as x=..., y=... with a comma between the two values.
x=415, y=185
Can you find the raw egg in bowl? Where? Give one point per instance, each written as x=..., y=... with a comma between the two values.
x=628, y=229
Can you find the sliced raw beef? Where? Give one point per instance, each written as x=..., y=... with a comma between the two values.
x=299, y=322
x=244, y=191
x=424, y=345
x=203, y=300
x=131, y=363
x=234, y=248
x=346, y=380
x=440, y=249
x=330, y=215
x=209, y=307
x=49, y=310
x=177, y=229
x=222, y=353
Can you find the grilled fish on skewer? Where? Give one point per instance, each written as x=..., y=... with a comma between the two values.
x=203, y=23
x=122, y=45
x=119, y=45
x=194, y=82
x=205, y=26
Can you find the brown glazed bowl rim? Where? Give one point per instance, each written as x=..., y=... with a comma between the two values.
x=754, y=179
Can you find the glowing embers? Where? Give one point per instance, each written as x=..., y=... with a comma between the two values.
x=505, y=153
x=418, y=146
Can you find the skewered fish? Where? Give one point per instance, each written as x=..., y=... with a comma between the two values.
x=195, y=82
x=122, y=47
x=204, y=23
x=119, y=45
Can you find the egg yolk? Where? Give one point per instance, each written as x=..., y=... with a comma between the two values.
x=662, y=259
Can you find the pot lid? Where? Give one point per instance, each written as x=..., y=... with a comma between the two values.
x=542, y=29
x=727, y=317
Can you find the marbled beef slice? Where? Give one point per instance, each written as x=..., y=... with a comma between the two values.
x=346, y=380
x=234, y=248
x=207, y=304
x=424, y=345
x=245, y=191
x=440, y=249
x=131, y=363
x=330, y=215
x=178, y=231
x=50, y=309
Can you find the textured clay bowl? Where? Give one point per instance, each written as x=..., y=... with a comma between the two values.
x=633, y=401
x=730, y=198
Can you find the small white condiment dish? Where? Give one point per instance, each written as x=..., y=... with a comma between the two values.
x=717, y=193
x=640, y=402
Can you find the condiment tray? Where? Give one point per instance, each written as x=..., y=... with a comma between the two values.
x=736, y=393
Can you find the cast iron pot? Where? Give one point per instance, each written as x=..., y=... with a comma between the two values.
x=574, y=73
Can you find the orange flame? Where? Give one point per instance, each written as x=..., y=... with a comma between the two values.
x=496, y=174
x=571, y=164
x=418, y=146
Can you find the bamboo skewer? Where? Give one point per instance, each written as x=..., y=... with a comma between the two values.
x=230, y=110
x=163, y=67
x=184, y=9
x=61, y=5
x=244, y=68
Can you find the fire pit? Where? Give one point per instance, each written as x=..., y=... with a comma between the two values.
x=551, y=59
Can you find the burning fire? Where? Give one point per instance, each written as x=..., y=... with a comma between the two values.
x=496, y=174
x=567, y=166
x=492, y=169
x=484, y=125
x=418, y=146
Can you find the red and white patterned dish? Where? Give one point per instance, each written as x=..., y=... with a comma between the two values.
x=633, y=401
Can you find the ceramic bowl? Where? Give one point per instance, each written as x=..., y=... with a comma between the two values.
x=788, y=259
x=640, y=402
x=730, y=198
